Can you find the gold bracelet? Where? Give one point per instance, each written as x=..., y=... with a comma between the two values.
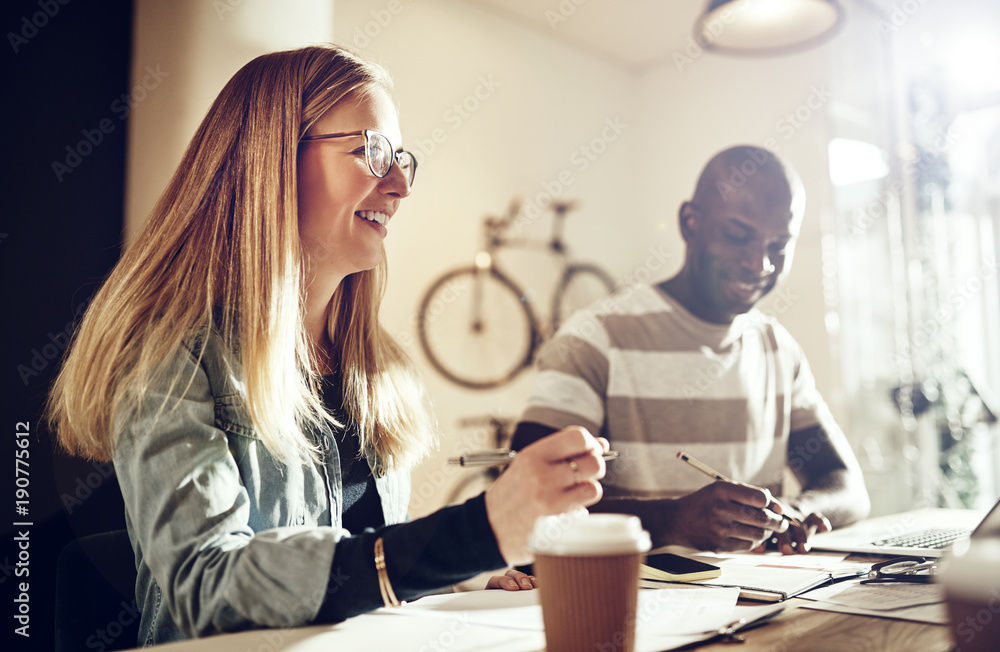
x=388, y=595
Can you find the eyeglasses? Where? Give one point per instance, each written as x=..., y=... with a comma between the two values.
x=378, y=153
x=903, y=569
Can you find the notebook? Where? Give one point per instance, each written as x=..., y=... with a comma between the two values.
x=765, y=584
x=928, y=532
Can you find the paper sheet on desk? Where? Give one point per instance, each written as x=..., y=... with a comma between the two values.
x=667, y=618
x=834, y=563
x=917, y=602
x=815, y=561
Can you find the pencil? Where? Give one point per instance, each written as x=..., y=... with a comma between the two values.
x=501, y=458
x=712, y=473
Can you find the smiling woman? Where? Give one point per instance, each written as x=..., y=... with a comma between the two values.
x=349, y=188
x=261, y=421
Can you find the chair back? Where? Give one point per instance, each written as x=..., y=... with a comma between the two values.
x=95, y=594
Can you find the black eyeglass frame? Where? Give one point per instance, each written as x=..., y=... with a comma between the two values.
x=910, y=573
x=368, y=134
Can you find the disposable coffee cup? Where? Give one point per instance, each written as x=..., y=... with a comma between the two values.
x=588, y=580
x=971, y=580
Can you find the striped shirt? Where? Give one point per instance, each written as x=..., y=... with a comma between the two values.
x=641, y=370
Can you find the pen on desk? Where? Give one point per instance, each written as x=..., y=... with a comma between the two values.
x=709, y=471
x=501, y=458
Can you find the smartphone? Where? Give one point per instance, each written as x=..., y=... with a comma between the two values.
x=675, y=568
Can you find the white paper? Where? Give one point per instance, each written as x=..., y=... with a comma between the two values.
x=917, y=602
x=889, y=596
x=815, y=561
x=666, y=618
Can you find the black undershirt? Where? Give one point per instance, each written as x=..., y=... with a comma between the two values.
x=449, y=546
x=361, y=505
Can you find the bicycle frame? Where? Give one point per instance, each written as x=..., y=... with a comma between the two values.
x=495, y=235
x=478, y=326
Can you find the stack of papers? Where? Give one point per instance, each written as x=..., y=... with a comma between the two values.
x=666, y=619
x=774, y=578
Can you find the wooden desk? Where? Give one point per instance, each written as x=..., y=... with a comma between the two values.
x=821, y=631
x=796, y=629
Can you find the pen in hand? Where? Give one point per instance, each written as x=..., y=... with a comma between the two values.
x=709, y=471
x=501, y=458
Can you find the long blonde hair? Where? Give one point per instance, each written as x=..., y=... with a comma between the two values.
x=221, y=251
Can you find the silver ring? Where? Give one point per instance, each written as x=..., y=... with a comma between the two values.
x=576, y=471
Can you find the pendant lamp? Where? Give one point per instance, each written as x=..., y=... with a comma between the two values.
x=766, y=27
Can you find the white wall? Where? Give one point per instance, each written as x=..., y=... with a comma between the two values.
x=183, y=53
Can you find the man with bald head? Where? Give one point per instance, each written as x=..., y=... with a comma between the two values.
x=690, y=365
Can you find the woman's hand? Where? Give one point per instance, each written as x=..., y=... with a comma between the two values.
x=556, y=474
x=513, y=580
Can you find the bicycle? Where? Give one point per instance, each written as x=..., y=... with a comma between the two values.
x=477, y=326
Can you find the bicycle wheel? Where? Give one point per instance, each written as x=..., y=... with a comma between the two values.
x=476, y=329
x=580, y=286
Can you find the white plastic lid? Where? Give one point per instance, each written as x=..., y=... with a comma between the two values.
x=583, y=534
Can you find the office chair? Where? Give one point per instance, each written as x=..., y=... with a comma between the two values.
x=95, y=594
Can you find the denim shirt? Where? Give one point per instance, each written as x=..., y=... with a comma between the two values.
x=227, y=537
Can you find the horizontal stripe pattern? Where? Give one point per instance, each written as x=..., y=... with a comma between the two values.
x=556, y=391
x=731, y=421
x=654, y=469
x=642, y=371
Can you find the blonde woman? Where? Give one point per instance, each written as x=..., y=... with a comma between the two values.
x=261, y=422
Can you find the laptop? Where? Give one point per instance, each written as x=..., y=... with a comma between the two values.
x=928, y=532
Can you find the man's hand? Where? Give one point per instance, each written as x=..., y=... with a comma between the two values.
x=556, y=474
x=725, y=516
x=795, y=540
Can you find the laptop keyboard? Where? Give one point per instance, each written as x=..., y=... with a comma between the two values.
x=931, y=538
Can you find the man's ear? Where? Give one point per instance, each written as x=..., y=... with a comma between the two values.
x=689, y=220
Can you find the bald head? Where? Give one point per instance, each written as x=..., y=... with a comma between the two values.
x=749, y=176
x=740, y=229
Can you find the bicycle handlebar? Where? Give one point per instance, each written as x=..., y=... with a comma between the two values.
x=495, y=226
